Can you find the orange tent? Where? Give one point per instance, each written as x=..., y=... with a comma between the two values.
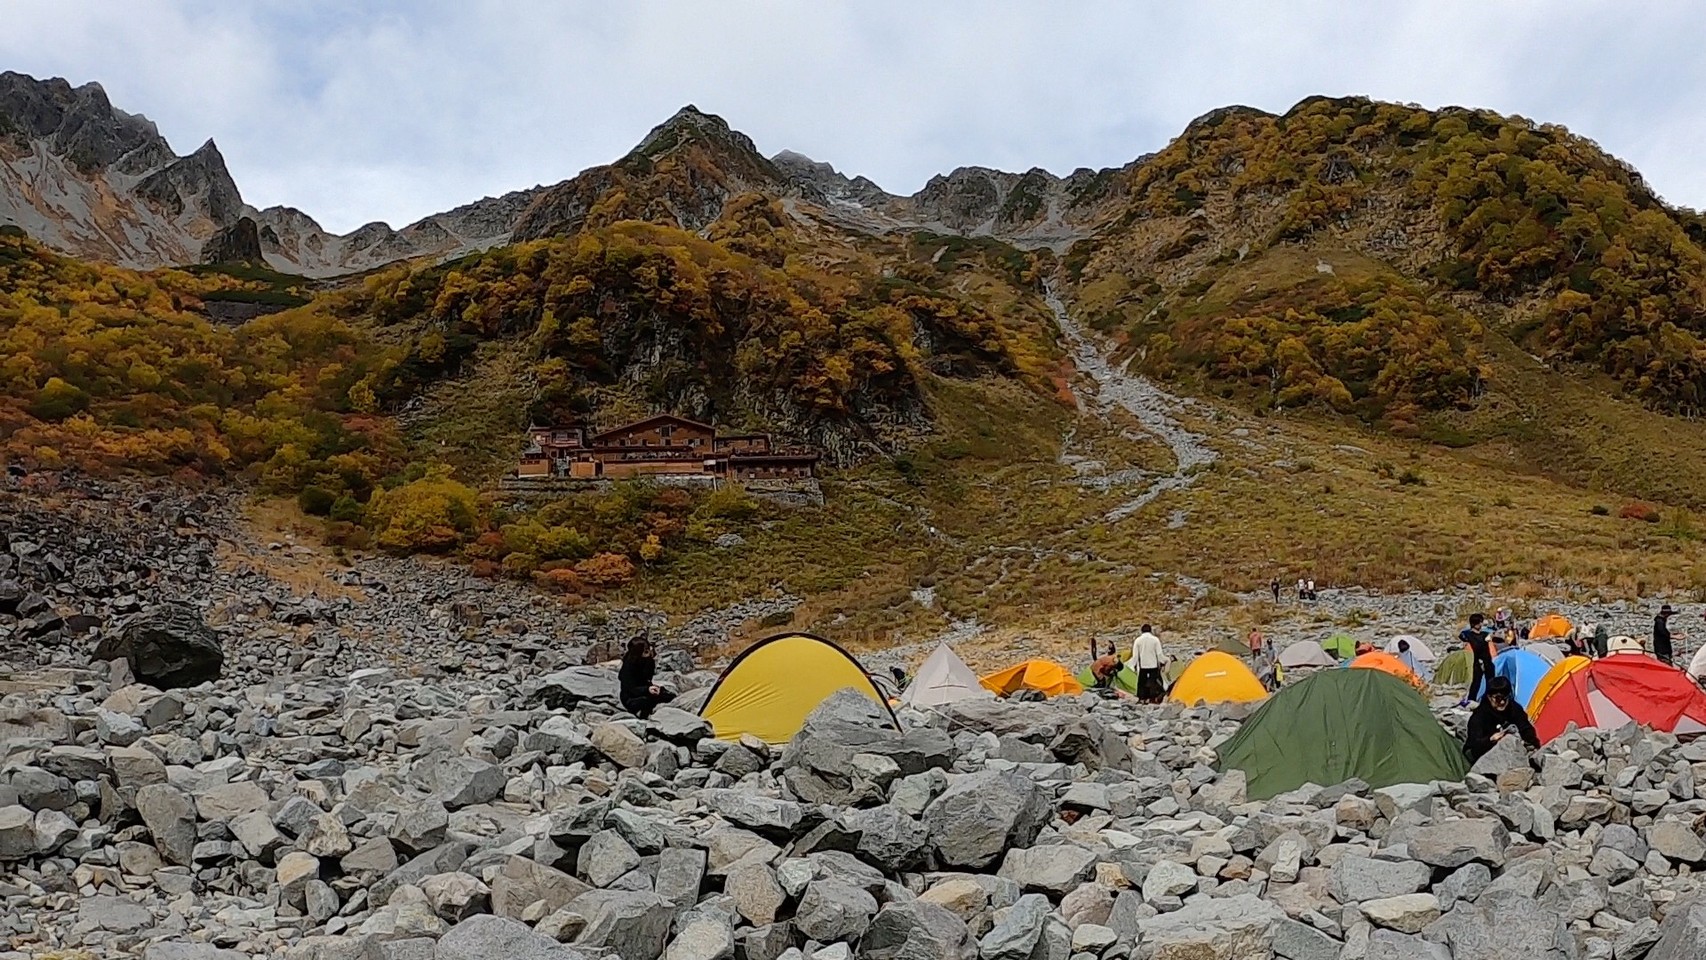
x=1387, y=663
x=1553, y=679
x=1553, y=626
x=1047, y=676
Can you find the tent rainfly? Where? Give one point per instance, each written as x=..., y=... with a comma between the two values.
x=943, y=678
x=1305, y=654
x=1217, y=677
x=1340, y=724
x=1046, y=676
x=1623, y=689
x=770, y=689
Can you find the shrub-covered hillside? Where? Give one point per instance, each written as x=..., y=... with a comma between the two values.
x=1561, y=244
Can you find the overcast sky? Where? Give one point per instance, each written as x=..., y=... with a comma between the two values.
x=359, y=111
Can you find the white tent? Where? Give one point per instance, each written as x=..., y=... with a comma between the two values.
x=943, y=678
x=1697, y=666
x=1625, y=645
x=1418, y=649
x=1304, y=654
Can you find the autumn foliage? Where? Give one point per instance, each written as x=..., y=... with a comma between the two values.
x=107, y=368
x=731, y=318
x=1521, y=214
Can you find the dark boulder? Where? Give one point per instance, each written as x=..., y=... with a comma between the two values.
x=166, y=647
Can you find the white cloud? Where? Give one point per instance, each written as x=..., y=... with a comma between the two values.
x=357, y=112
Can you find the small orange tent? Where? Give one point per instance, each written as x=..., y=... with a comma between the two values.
x=1049, y=677
x=1553, y=626
x=1387, y=663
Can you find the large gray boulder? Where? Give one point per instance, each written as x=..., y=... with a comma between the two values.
x=1084, y=740
x=17, y=833
x=832, y=911
x=633, y=926
x=521, y=882
x=1452, y=843
x=167, y=647
x=916, y=930
x=1505, y=923
x=567, y=689
x=888, y=838
x=1017, y=930
x=703, y=935
x=821, y=764
x=465, y=781
x=1228, y=928
x=1682, y=935
x=485, y=937
x=1055, y=869
x=1355, y=879
x=170, y=818
x=982, y=815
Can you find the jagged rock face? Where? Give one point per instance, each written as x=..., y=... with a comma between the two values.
x=238, y=243
x=823, y=183
x=85, y=177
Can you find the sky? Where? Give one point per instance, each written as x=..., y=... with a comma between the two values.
x=359, y=111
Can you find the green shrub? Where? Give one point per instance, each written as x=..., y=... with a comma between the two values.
x=317, y=501
x=346, y=509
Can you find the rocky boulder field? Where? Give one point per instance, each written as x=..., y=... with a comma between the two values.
x=198, y=765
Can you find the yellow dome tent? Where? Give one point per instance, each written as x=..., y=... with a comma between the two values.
x=1553, y=626
x=1553, y=679
x=1049, y=677
x=770, y=689
x=1217, y=677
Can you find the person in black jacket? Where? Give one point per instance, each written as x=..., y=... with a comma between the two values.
x=1481, y=655
x=1496, y=717
x=640, y=696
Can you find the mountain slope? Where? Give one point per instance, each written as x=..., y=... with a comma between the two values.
x=1532, y=228
x=91, y=180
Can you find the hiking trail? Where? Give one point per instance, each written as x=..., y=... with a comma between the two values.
x=1158, y=411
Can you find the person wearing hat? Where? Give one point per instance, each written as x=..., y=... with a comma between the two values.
x=1497, y=716
x=1661, y=633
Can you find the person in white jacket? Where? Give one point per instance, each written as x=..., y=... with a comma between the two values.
x=1147, y=657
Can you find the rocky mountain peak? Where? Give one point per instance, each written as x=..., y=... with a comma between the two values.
x=821, y=181
x=77, y=123
x=689, y=126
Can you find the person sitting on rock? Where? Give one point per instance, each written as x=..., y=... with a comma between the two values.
x=1496, y=717
x=640, y=696
x=901, y=680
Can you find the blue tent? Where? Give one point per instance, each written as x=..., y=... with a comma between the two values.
x=1523, y=668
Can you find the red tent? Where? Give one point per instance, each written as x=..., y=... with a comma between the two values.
x=1621, y=689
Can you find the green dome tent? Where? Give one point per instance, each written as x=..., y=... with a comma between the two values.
x=1341, y=645
x=1232, y=646
x=1124, y=680
x=1340, y=724
x=1454, y=669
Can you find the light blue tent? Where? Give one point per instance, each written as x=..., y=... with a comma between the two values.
x=1524, y=669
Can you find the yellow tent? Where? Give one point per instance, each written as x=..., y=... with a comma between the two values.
x=1217, y=677
x=1553, y=679
x=1051, y=678
x=1550, y=627
x=770, y=689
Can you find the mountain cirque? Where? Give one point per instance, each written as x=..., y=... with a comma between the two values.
x=89, y=179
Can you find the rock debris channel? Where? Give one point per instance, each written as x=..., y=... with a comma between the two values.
x=191, y=777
